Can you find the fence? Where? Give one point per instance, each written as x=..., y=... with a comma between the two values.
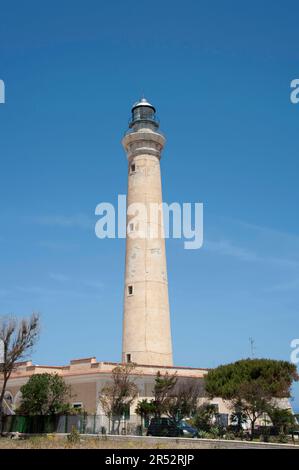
x=86, y=424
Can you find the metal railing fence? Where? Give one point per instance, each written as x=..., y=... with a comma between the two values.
x=85, y=424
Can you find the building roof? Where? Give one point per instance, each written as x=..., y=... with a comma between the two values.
x=87, y=366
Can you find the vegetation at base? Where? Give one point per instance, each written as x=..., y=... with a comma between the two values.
x=282, y=419
x=177, y=399
x=145, y=409
x=74, y=436
x=250, y=387
x=56, y=442
x=204, y=417
x=117, y=396
x=44, y=394
x=17, y=336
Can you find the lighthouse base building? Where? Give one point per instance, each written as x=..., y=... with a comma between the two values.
x=88, y=376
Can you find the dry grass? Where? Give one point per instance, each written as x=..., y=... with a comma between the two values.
x=57, y=442
x=60, y=442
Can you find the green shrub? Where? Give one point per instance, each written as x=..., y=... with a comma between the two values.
x=74, y=436
x=216, y=432
x=203, y=434
x=229, y=436
x=282, y=438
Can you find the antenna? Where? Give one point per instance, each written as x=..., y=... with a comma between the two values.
x=252, y=347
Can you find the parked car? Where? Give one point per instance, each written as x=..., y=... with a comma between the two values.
x=165, y=427
x=188, y=431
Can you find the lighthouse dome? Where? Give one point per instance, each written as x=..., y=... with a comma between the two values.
x=143, y=102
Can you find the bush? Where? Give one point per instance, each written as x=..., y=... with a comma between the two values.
x=204, y=417
x=264, y=437
x=215, y=432
x=139, y=430
x=44, y=394
x=283, y=438
x=203, y=434
x=229, y=436
x=74, y=436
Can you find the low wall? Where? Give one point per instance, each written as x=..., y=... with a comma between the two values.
x=197, y=443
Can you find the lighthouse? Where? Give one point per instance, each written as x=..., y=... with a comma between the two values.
x=146, y=316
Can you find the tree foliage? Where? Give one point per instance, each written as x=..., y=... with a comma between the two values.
x=164, y=385
x=252, y=401
x=250, y=385
x=273, y=377
x=205, y=417
x=283, y=419
x=182, y=399
x=145, y=408
x=44, y=394
x=18, y=337
x=173, y=397
x=116, y=397
x=238, y=417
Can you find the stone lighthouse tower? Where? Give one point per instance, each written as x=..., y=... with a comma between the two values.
x=146, y=320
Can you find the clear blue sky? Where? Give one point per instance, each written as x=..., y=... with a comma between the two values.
x=219, y=74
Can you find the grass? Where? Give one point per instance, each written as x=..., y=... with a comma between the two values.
x=56, y=442
x=53, y=441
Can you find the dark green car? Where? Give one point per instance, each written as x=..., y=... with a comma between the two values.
x=164, y=427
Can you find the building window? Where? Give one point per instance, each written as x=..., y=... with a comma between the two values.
x=222, y=420
x=8, y=397
x=127, y=412
x=77, y=405
x=130, y=290
x=133, y=168
x=128, y=357
x=216, y=407
x=131, y=227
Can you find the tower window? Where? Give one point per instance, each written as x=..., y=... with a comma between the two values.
x=130, y=290
x=133, y=168
x=131, y=227
x=128, y=357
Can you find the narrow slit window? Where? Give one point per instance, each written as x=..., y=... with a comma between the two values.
x=130, y=290
x=131, y=227
x=128, y=357
x=133, y=168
